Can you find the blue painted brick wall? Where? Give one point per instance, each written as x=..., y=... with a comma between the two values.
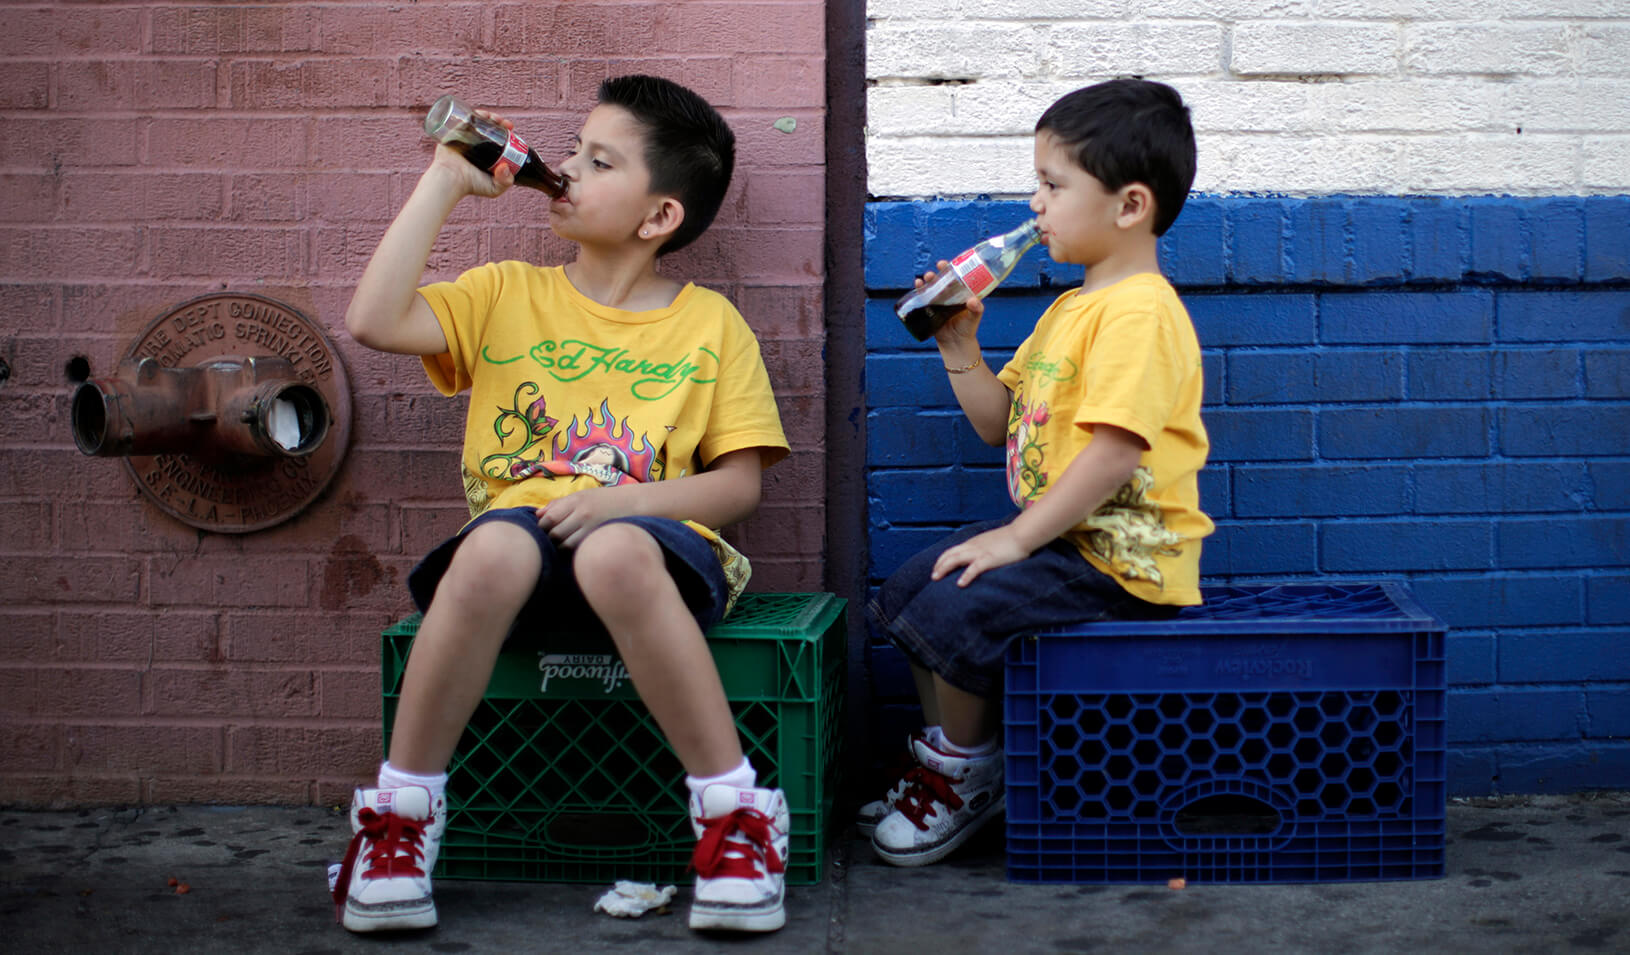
x=1429, y=389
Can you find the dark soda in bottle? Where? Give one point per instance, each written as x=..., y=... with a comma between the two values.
x=973, y=274
x=488, y=145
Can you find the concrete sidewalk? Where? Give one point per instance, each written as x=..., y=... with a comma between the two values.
x=1525, y=874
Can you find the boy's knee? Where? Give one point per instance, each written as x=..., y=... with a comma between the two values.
x=495, y=562
x=619, y=555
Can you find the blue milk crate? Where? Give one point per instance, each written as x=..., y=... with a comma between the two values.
x=1290, y=733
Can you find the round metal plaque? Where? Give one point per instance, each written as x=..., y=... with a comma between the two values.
x=237, y=493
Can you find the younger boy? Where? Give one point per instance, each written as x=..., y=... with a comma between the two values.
x=1100, y=413
x=617, y=417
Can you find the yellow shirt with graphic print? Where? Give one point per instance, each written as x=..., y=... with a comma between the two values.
x=566, y=393
x=1127, y=356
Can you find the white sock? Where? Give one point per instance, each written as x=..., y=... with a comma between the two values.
x=392, y=778
x=935, y=736
x=987, y=748
x=742, y=777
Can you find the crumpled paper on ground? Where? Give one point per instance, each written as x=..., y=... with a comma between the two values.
x=630, y=900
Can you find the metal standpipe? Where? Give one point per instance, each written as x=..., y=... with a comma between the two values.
x=224, y=406
x=231, y=412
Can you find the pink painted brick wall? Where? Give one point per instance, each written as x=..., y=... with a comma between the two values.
x=152, y=153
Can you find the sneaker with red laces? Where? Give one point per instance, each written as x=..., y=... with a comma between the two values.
x=740, y=859
x=869, y=815
x=384, y=882
x=946, y=800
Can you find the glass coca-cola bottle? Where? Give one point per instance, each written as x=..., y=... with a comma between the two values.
x=488, y=145
x=972, y=275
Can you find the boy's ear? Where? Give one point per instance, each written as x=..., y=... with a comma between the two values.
x=664, y=217
x=1137, y=205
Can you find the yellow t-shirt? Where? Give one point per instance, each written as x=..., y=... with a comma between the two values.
x=566, y=393
x=1126, y=356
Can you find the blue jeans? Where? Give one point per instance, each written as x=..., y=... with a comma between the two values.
x=962, y=633
x=556, y=602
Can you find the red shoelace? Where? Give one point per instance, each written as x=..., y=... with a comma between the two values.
x=924, y=787
x=904, y=763
x=398, y=849
x=717, y=856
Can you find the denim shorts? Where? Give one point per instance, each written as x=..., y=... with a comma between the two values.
x=962, y=633
x=557, y=603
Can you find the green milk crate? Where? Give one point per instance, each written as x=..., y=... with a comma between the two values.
x=563, y=776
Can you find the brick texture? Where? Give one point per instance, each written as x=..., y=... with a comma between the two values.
x=1291, y=98
x=155, y=152
x=1424, y=389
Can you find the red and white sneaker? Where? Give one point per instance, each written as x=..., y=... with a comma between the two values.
x=384, y=882
x=740, y=859
x=946, y=800
x=869, y=815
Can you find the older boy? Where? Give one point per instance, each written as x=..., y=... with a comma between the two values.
x=617, y=417
x=1100, y=413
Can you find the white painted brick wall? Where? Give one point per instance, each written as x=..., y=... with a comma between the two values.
x=1145, y=47
x=1604, y=162
x=1268, y=47
x=1522, y=97
x=1491, y=49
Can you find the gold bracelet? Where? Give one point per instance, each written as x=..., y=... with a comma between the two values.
x=966, y=368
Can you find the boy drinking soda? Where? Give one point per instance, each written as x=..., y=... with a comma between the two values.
x=1100, y=414
x=618, y=418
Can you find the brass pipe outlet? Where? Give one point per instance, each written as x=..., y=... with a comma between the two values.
x=226, y=405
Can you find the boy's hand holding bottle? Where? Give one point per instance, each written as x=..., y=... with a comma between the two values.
x=467, y=179
x=460, y=173
x=481, y=148
x=944, y=295
x=960, y=323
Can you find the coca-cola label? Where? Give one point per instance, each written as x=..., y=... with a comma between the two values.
x=973, y=272
x=514, y=156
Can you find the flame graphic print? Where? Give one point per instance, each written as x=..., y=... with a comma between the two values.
x=603, y=447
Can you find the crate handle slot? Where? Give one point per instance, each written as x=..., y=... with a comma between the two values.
x=598, y=830
x=1227, y=814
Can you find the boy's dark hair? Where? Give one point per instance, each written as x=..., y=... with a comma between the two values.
x=689, y=148
x=1129, y=130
